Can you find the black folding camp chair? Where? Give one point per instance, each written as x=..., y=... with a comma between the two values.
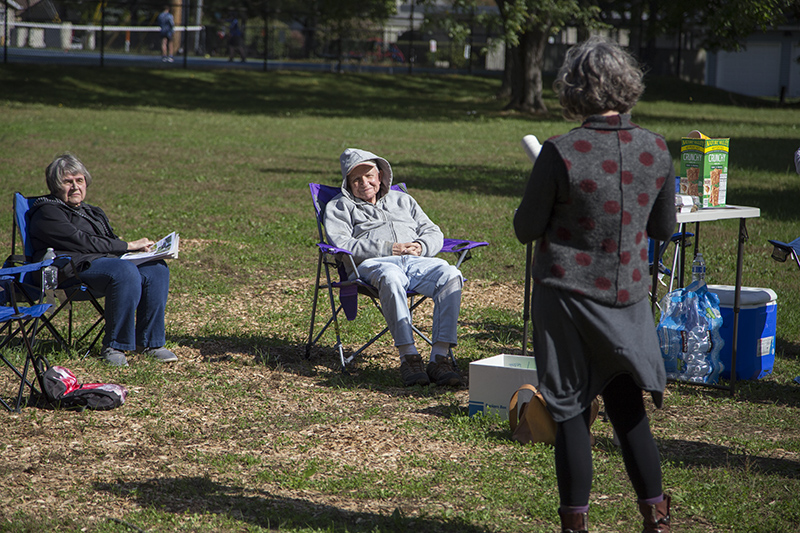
x=332, y=259
x=30, y=283
x=18, y=323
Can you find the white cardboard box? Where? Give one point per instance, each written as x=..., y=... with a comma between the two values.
x=492, y=381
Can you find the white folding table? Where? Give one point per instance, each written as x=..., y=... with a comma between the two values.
x=711, y=214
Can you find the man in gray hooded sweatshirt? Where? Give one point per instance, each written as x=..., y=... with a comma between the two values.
x=393, y=244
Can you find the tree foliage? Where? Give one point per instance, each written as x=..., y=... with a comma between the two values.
x=333, y=20
x=527, y=25
x=717, y=25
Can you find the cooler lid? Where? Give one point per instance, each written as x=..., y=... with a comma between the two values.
x=749, y=296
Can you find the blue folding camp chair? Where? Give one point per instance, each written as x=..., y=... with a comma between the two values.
x=19, y=322
x=75, y=292
x=333, y=258
x=783, y=250
x=680, y=241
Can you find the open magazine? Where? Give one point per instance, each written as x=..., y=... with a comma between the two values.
x=166, y=248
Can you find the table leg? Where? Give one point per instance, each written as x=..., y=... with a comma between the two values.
x=736, y=295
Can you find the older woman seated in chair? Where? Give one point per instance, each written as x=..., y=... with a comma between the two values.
x=135, y=295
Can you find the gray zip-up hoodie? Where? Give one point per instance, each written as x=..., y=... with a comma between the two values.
x=368, y=230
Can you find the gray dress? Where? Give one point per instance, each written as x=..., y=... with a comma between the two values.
x=580, y=345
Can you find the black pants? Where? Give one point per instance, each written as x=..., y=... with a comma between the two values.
x=625, y=408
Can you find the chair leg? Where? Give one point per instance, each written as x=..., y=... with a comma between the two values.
x=452, y=358
x=36, y=365
x=96, y=338
x=314, y=308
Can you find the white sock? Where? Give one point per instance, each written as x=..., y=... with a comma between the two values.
x=439, y=348
x=407, y=349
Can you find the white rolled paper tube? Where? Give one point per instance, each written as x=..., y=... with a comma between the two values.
x=532, y=147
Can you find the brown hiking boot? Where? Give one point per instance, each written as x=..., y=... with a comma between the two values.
x=656, y=517
x=442, y=372
x=412, y=371
x=574, y=522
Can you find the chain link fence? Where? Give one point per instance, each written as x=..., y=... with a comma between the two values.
x=124, y=32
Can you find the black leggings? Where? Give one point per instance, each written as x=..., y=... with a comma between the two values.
x=625, y=408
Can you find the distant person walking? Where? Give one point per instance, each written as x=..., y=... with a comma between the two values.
x=235, y=39
x=797, y=160
x=167, y=24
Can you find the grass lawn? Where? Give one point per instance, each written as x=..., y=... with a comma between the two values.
x=246, y=434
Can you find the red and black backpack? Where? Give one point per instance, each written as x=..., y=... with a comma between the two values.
x=63, y=391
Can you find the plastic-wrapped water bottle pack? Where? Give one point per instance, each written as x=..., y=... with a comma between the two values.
x=689, y=334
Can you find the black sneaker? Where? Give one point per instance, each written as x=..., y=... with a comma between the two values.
x=412, y=371
x=442, y=372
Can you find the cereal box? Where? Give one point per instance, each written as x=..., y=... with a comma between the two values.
x=704, y=168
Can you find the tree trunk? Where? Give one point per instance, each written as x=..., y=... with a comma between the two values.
x=508, y=65
x=510, y=73
x=309, y=31
x=527, y=92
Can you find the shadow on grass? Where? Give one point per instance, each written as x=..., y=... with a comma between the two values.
x=200, y=495
x=323, y=363
x=775, y=204
x=507, y=337
x=276, y=353
x=286, y=94
x=362, y=374
x=787, y=348
x=297, y=93
x=670, y=89
x=749, y=391
x=772, y=155
x=703, y=454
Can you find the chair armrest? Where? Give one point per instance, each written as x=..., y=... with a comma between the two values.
x=783, y=250
x=328, y=249
x=459, y=245
x=333, y=250
x=462, y=248
x=23, y=269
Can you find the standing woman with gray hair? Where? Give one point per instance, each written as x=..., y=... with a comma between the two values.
x=594, y=196
x=135, y=295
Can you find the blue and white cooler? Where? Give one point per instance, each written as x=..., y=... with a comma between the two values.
x=758, y=309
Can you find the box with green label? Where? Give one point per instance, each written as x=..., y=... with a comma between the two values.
x=492, y=381
x=704, y=169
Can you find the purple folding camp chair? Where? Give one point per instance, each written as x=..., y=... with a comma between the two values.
x=333, y=258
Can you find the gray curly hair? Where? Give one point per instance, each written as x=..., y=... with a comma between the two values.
x=598, y=76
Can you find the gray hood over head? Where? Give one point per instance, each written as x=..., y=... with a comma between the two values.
x=370, y=230
x=352, y=157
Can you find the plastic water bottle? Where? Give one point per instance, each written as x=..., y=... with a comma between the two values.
x=671, y=346
x=698, y=268
x=50, y=280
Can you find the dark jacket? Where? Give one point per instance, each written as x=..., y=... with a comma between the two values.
x=593, y=198
x=83, y=233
